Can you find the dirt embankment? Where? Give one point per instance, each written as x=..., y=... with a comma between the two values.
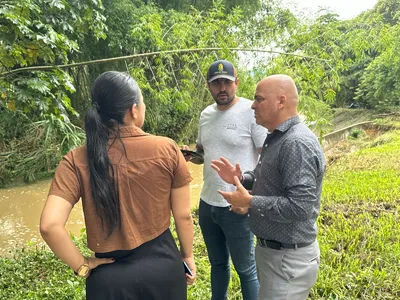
x=354, y=129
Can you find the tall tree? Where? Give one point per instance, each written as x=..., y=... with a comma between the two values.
x=43, y=32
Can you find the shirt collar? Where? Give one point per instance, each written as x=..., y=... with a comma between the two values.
x=128, y=131
x=285, y=126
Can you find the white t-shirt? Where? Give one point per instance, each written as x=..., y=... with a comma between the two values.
x=233, y=134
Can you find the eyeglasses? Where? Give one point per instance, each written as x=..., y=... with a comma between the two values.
x=218, y=82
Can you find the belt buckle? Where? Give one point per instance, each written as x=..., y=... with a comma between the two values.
x=270, y=244
x=262, y=242
x=280, y=246
x=274, y=245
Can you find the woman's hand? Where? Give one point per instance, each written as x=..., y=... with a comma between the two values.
x=180, y=205
x=94, y=262
x=192, y=266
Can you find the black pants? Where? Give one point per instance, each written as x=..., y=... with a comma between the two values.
x=153, y=271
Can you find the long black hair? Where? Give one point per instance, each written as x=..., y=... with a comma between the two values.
x=113, y=94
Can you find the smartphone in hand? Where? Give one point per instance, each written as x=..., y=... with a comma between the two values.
x=187, y=269
x=194, y=154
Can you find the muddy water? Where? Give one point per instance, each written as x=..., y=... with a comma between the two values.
x=20, y=209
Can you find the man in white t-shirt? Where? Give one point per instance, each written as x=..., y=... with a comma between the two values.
x=227, y=128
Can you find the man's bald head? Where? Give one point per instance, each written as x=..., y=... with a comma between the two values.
x=282, y=84
x=276, y=100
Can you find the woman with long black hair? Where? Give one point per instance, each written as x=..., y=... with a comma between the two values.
x=129, y=182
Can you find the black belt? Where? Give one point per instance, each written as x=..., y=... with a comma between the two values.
x=279, y=246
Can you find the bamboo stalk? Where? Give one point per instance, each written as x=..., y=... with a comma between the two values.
x=119, y=58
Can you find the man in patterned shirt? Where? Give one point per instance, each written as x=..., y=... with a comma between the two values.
x=285, y=193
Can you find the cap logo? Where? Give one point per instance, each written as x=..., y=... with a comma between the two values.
x=221, y=69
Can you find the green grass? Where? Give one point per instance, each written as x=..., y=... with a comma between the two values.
x=359, y=226
x=360, y=254
x=359, y=236
x=351, y=187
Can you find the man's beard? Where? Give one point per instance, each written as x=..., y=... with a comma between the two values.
x=225, y=102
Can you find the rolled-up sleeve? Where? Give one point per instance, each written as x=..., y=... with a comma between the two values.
x=182, y=174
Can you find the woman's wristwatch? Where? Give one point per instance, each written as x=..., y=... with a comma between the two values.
x=83, y=270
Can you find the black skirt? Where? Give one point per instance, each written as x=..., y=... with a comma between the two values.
x=153, y=271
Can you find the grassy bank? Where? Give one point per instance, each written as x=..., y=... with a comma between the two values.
x=359, y=233
x=360, y=221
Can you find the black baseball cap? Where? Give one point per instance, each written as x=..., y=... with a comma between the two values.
x=221, y=69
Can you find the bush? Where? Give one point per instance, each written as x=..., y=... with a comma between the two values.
x=355, y=133
x=32, y=150
x=36, y=273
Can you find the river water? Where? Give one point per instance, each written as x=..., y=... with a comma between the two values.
x=21, y=206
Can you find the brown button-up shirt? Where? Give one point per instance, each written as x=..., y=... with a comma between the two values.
x=144, y=177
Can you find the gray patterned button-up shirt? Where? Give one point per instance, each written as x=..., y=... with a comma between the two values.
x=287, y=184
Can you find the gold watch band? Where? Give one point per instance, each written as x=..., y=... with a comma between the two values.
x=84, y=270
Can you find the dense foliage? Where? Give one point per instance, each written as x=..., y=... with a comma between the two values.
x=335, y=63
x=43, y=32
x=362, y=57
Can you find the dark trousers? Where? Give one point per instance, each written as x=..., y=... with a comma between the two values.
x=153, y=271
x=228, y=234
